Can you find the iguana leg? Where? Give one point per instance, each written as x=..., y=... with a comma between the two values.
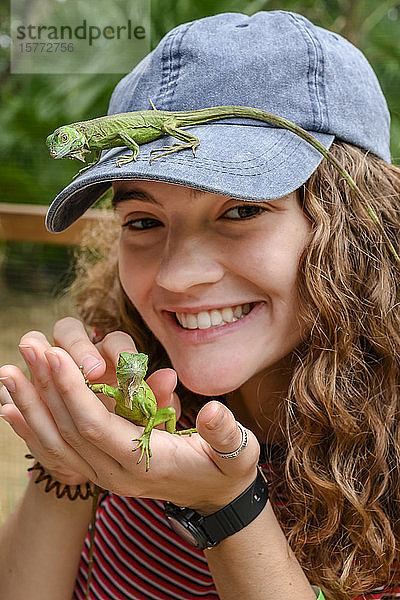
x=107, y=390
x=163, y=415
x=96, y=156
x=167, y=415
x=103, y=388
x=132, y=145
x=186, y=431
x=144, y=443
x=191, y=141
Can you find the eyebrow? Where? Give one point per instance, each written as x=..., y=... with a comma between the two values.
x=124, y=195
x=132, y=194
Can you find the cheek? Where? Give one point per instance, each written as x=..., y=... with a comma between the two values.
x=133, y=275
x=273, y=266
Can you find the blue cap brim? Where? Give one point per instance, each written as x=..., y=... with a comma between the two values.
x=247, y=162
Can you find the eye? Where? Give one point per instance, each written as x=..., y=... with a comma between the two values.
x=244, y=211
x=64, y=137
x=141, y=224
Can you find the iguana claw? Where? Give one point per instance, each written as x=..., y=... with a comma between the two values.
x=126, y=158
x=144, y=444
x=82, y=370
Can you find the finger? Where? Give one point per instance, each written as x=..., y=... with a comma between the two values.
x=13, y=416
x=34, y=423
x=27, y=402
x=36, y=338
x=32, y=351
x=50, y=394
x=112, y=345
x=36, y=334
x=218, y=427
x=163, y=383
x=5, y=397
x=70, y=334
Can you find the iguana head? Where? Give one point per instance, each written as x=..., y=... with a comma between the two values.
x=67, y=141
x=131, y=366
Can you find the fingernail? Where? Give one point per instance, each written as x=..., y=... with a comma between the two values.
x=8, y=383
x=90, y=363
x=53, y=360
x=216, y=420
x=28, y=353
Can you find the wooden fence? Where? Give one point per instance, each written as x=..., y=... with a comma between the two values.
x=25, y=222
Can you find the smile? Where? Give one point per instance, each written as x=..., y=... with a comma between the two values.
x=213, y=318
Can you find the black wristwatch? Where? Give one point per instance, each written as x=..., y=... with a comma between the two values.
x=208, y=531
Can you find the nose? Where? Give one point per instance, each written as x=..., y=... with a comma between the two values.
x=187, y=262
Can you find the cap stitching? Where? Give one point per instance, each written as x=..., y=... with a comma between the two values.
x=166, y=59
x=319, y=83
x=144, y=157
x=315, y=74
x=176, y=67
x=210, y=165
x=253, y=162
x=170, y=67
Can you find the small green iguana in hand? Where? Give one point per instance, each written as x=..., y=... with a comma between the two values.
x=130, y=129
x=134, y=401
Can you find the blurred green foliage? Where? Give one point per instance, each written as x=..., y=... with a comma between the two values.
x=32, y=106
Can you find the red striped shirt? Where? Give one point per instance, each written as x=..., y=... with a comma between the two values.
x=138, y=557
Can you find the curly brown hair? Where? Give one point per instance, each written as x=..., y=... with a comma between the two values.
x=341, y=467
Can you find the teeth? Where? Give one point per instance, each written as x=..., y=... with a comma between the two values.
x=216, y=318
x=203, y=320
x=238, y=312
x=191, y=321
x=227, y=314
x=213, y=318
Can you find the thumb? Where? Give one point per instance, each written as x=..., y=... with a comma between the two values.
x=216, y=424
x=163, y=383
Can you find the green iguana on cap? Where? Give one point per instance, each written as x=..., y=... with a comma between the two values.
x=131, y=129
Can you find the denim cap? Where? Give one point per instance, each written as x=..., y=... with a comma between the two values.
x=277, y=61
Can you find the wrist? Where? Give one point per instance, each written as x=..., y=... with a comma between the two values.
x=207, y=531
x=228, y=494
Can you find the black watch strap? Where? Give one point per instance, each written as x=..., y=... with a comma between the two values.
x=226, y=521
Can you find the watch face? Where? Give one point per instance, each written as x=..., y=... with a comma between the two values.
x=184, y=532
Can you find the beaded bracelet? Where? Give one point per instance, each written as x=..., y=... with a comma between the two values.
x=62, y=489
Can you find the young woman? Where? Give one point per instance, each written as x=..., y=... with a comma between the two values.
x=253, y=276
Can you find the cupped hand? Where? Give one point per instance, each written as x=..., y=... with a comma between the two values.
x=27, y=405
x=77, y=437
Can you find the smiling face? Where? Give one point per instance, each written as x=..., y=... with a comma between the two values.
x=214, y=278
